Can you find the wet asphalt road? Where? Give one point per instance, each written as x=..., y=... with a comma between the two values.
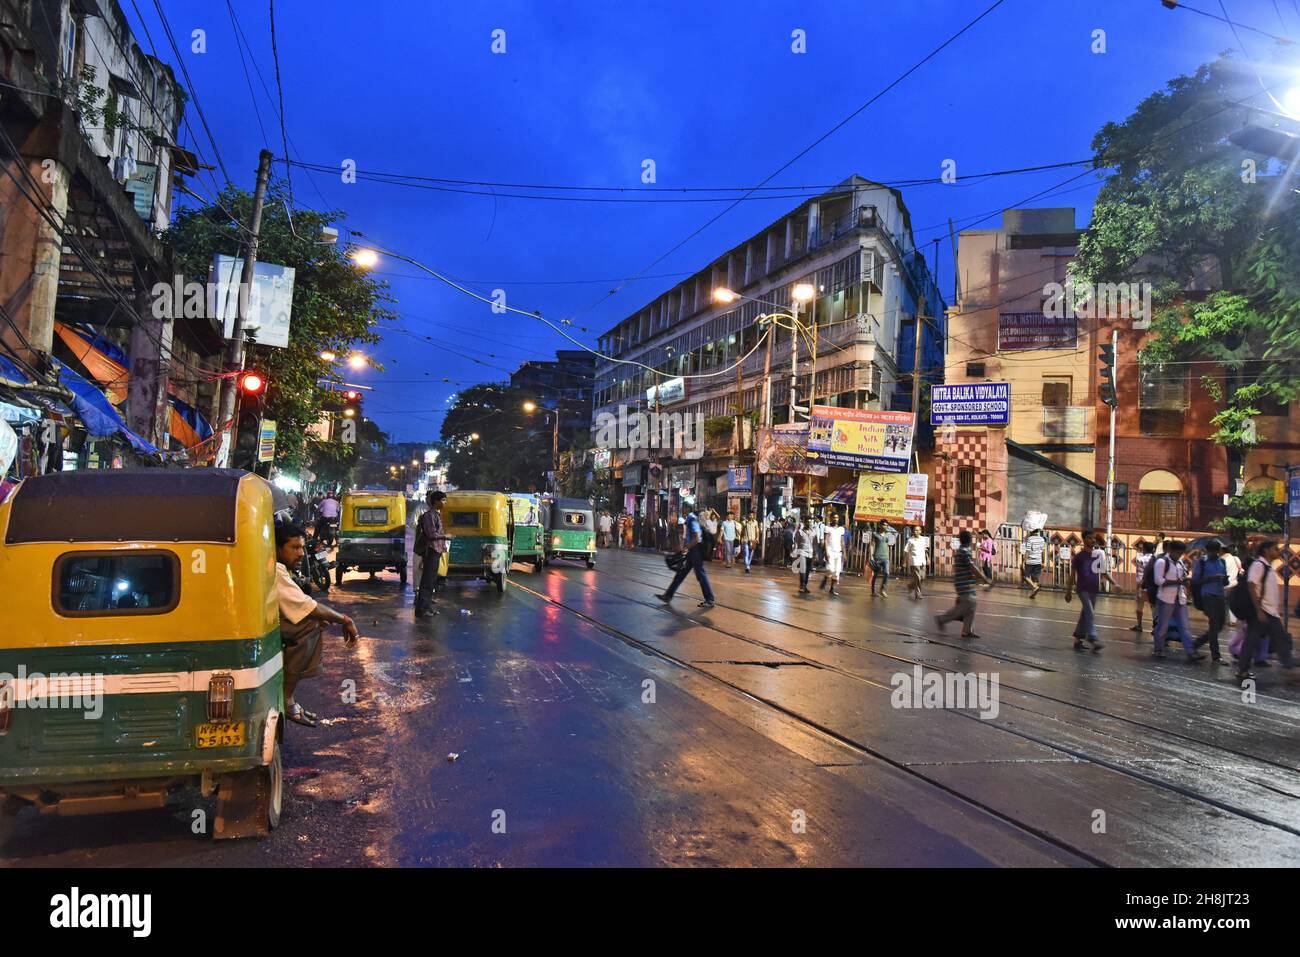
x=594, y=726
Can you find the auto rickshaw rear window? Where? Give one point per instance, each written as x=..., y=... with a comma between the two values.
x=116, y=583
x=463, y=520
x=575, y=518
x=372, y=516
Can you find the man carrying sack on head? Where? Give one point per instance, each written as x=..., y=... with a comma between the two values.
x=430, y=543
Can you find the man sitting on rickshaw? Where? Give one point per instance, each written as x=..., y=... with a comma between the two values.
x=302, y=622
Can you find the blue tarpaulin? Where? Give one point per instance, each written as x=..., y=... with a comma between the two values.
x=10, y=371
x=97, y=413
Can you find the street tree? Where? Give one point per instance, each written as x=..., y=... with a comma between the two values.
x=508, y=454
x=1214, y=228
x=336, y=306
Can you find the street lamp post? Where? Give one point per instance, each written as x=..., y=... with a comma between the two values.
x=531, y=407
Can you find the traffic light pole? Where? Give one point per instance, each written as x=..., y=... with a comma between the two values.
x=1110, y=471
x=235, y=354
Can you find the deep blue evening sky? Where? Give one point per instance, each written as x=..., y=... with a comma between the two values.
x=710, y=91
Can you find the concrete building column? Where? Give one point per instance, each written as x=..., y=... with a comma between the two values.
x=814, y=223
x=147, y=412
x=31, y=249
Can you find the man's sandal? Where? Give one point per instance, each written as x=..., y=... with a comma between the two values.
x=300, y=715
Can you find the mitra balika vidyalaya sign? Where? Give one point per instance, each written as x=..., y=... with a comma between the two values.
x=974, y=403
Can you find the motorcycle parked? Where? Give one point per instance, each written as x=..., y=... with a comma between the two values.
x=316, y=565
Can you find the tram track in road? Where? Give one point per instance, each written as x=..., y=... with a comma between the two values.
x=893, y=630
x=809, y=724
x=1074, y=751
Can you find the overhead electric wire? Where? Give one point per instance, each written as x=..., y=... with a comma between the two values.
x=248, y=79
x=1225, y=19
x=783, y=192
x=279, y=86
x=189, y=81
x=784, y=166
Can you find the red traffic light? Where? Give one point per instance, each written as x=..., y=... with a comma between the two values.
x=351, y=395
x=252, y=383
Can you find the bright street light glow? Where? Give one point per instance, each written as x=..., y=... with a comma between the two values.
x=1291, y=101
x=804, y=292
x=723, y=295
x=328, y=356
x=473, y=436
x=366, y=258
x=530, y=406
x=357, y=361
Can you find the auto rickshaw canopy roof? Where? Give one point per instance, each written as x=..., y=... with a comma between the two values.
x=113, y=505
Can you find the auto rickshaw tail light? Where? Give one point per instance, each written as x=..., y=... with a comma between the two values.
x=221, y=697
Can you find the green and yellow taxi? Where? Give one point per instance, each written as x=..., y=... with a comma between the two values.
x=570, y=530
x=480, y=530
x=141, y=649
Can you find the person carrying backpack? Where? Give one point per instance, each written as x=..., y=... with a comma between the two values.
x=1264, y=616
x=1141, y=565
x=1209, y=584
x=1170, y=578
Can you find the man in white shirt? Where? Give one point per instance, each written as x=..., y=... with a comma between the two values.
x=606, y=525
x=730, y=532
x=833, y=544
x=1265, y=584
x=302, y=622
x=1171, y=606
x=914, y=555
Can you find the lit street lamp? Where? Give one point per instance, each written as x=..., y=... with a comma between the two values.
x=531, y=407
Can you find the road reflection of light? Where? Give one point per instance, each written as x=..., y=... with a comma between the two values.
x=552, y=631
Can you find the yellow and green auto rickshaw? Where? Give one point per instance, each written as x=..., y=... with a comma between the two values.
x=570, y=530
x=480, y=531
x=141, y=648
x=529, y=537
x=372, y=534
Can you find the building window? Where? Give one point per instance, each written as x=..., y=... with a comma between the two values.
x=1160, y=504
x=1163, y=389
x=965, y=491
x=1160, y=421
x=975, y=370
x=1056, y=391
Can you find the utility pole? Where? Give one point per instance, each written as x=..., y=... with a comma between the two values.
x=235, y=354
x=916, y=379
x=767, y=424
x=1110, y=470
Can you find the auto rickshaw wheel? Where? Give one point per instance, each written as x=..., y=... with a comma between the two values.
x=9, y=808
x=249, y=802
x=537, y=563
x=591, y=563
x=401, y=575
x=501, y=582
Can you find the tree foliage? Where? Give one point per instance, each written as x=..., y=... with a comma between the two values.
x=513, y=447
x=1187, y=210
x=336, y=306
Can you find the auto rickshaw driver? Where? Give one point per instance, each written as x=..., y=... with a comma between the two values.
x=302, y=622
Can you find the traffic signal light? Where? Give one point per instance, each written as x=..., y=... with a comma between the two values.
x=1107, y=388
x=352, y=404
x=252, y=383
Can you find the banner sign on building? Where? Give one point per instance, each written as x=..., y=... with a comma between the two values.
x=1293, y=496
x=972, y=403
x=1035, y=330
x=670, y=392
x=740, y=479
x=889, y=496
x=783, y=450
x=861, y=439
x=266, y=440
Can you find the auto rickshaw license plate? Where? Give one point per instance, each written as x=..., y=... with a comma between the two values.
x=220, y=734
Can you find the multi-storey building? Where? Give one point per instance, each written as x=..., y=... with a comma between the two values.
x=88, y=132
x=1012, y=325
x=854, y=245
x=564, y=384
